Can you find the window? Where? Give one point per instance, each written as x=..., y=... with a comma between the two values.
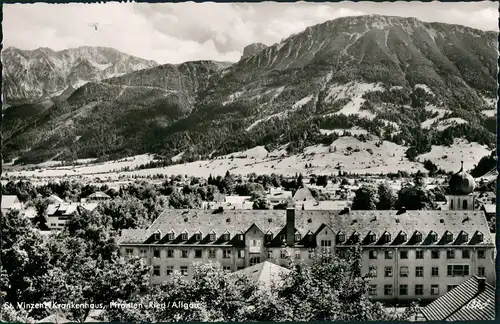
x=449, y=237
x=450, y=287
x=341, y=237
x=297, y=237
x=435, y=254
x=226, y=268
x=403, y=254
x=403, y=290
x=197, y=253
x=418, y=236
x=326, y=246
x=129, y=252
x=480, y=271
x=481, y=254
x=434, y=290
x=404, y=237
x=144, y=253
x=169, y=270
x=269, y=237
x=197, y=237
x=372, y=237
x=283, y=254
x=433, y=236
x=156, y=236
x=310, y=237
x=387, y=290
x=241, y=254
x=373, y=270
x=269, y=254
x=388, y=255
x=403, y=272
x=480, y=236
x=184, y=270
x=156, y=270
x=226, y=254
x=458, y=270
x=297, y=254
x=341, y=253
x=372, y=290
x=170, y=253
x=387, y=237
x=282, y=238
x=184, y=253
x=372, y=254
x=211, y=254
x=465, y=254
x=419, y=254
x=419, y=271
x=156, y=253
x=211, y=237
x=388, y=271
x=435, y=272
x=310, y=253
x=464, y=205
x=226, y=237
x=240, y=237
x=184, y=236
x=419, y=290
x=254, y=261
x=170, y=236
x=450, y=254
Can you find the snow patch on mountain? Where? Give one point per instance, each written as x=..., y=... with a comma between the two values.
x=425, y=88
x=302, y=102
x=444, y=124
x=355, y=92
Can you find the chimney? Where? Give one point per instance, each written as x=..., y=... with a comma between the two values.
x=481, y=284
x=290, y=227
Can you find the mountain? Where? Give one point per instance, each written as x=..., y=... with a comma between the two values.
x=42, y=73
x=252, y=49
x=403, y=80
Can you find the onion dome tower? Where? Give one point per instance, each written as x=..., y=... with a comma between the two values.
x=461, y=187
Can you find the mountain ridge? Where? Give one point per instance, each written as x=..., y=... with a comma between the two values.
x=392, y=76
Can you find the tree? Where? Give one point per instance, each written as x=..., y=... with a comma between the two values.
x=365, y=198
x=322, y=180
x=40, y=220
x=125, y=213
x=261, y=203
x=386, y=197
x=415, y=198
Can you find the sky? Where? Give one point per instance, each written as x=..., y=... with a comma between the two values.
x=179, y=32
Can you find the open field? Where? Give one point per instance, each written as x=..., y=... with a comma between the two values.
x=346, y=153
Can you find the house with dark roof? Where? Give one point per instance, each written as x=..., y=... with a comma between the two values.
x=58, y=215
x=472, y=300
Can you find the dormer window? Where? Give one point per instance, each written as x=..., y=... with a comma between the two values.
x=157, y=236
x=387, y=237
x=433, y=236
x=197, y=236
x=297, y=237
x=269, y=237
x=171, y=236
x=403, y=236
x=480, y=236
x=309, y=237
x=184, y=236
x=465, y=236
x=282, y=238
x=211, y=237
x=341, y=237
x=449, y=237
x=355, y=237
x=418, y=236
x=240, y=237
x=372, y=237
x=225, y=236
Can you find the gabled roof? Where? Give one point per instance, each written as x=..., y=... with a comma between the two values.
x=378, y=221
x=303, y=194
x=99, y=194
x=54, y=318
x=265, y=272
x=453, y=305
x=490, y=208
x=10, y=202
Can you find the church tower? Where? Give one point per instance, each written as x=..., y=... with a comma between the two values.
x=461, y=187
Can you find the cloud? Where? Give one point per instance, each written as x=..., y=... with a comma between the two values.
x=178, y=32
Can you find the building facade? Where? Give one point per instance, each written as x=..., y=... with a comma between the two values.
x=406, y=263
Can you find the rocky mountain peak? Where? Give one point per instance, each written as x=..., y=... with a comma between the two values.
x=253, y=49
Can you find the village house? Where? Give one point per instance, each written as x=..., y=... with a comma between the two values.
x=58, y=215
x=97, y=197
x=278, y=196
